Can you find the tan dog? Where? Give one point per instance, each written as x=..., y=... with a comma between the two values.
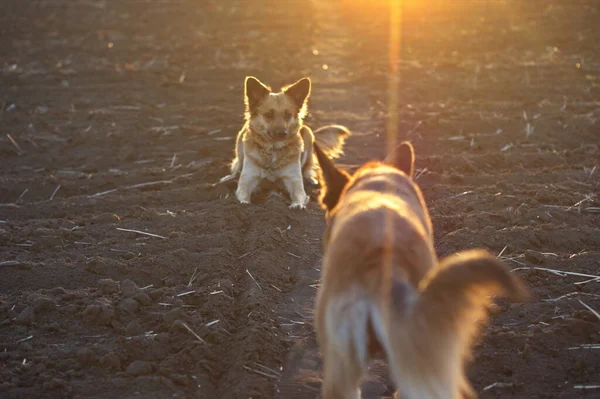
x=274, y=143
x=383, y=288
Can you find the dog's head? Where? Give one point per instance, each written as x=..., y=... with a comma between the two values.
x=334, y=180
x=276, y=116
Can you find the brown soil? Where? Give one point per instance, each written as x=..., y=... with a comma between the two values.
x=125, y=114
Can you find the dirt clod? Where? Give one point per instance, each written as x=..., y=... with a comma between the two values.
x=99, y=313
x=96, y=265
x=43, y=304
x=86, y=357
x=133, y=328
x=108, y=286
x=111, y=361
x=129, y=305
x=143, y=299
x=535, y=257
x=172, y=315
x=139, y=367
x=26, y=317
x=129, y=288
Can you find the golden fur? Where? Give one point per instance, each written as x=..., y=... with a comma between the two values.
x=274, y=143
x=383, y=288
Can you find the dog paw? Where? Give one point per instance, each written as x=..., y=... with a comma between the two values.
x=300, y=203
x=243, y=198
x=297, y=205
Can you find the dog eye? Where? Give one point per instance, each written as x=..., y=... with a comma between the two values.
x=287, y=115
x=270, y=114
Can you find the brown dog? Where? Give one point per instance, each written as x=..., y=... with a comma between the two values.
x=383, y=288
x=274, y=143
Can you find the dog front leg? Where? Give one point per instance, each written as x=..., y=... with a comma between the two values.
x=292, y=179
x=295, y=186
x=248, y=182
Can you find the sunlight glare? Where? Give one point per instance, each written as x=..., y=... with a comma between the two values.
x=393, y=73
x=392, y=121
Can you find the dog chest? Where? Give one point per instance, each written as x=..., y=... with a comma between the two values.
x=273, y=159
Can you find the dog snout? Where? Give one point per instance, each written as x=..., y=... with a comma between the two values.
x=278, y=133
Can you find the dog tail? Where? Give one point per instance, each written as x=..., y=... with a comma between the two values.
x=428, y=356
x=331, y=139
x=425, y=332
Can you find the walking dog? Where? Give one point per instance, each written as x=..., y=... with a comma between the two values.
x=384, y=290
x=275, y=144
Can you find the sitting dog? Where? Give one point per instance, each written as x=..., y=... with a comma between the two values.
x=383, y=289
x=274, y=143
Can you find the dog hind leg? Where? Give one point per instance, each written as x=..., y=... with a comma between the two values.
x=341, y=376
x=344, y=347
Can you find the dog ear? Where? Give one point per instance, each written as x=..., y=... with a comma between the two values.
x=403, y=158
x=333, y=180
x=299, y=91
x=254, y=92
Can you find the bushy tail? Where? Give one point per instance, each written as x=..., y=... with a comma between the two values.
x=426, y=332
x=331, y=139
x=427, y=347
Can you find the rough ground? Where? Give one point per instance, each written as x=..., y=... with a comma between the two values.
x=124, y=114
